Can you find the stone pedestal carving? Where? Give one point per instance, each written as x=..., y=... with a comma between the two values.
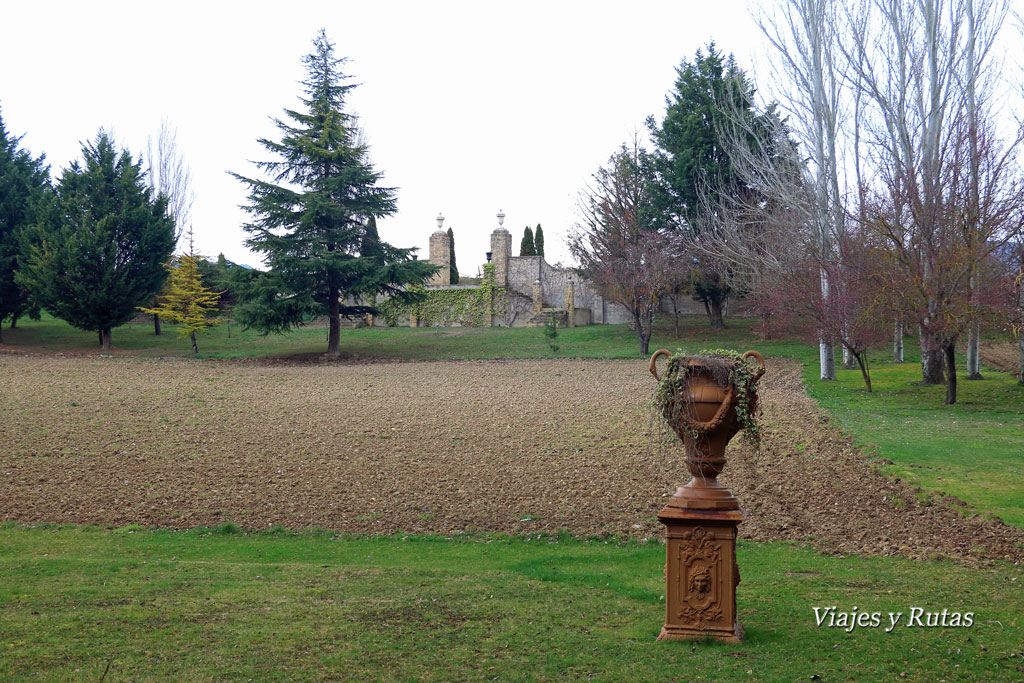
x=538, y=296
x=701, y=574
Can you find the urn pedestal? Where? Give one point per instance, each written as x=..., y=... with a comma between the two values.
x=700, y=520
x=701, y=574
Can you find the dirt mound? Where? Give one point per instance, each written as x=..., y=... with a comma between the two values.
x=443, y=447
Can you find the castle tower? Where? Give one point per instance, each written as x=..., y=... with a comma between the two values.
x=501, y=250
x=440, y=255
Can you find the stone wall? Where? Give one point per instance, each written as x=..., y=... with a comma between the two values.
x=518, y=275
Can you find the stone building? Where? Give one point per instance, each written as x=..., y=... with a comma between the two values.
x=534, y=288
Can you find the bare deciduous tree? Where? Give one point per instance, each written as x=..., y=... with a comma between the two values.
x=629, y=261
x=805, y=35
x=170, y=176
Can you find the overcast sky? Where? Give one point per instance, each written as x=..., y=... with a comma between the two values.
x=469, y=107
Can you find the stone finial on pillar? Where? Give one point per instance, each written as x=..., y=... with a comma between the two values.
x=440, y=255
x=570, y=301
x=501, y=250
x=538, y=296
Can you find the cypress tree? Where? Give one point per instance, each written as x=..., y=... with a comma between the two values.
x=452, y=268
x=24, y=194
x=526, y=247
x=311, y=226
x=101, y=254
x=538, y=241
x=370, y=246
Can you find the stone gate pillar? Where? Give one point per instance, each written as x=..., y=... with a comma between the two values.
x=570, y=301
x=441, y=255
x=501, y=250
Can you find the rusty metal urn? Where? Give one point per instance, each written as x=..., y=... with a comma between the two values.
x=701, y=517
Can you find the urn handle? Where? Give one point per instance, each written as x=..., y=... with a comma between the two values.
x=654, y=359
x=760, y=363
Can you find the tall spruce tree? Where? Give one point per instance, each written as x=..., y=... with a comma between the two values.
x=453, y=270
x=102, y=252
x=24, y=194
x=538, y=241
x=526, y=247
x=310, y=219
x=691, y=158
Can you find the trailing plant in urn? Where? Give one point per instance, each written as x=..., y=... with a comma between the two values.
x=726, y=368
x=706, y=399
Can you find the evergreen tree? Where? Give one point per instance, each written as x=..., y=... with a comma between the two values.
x=101, y=254
x=370, y=246
x=526, y=247
x=690, y=156
x=453, y=270
x=310, y=219
x=538, y=241
x=185, y=300
x=24, y=194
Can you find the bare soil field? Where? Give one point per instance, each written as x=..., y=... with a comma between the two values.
x=1003, y=356
x=436, y=447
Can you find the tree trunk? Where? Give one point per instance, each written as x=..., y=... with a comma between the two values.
x=826, y=361
x=156, y=324
x=897, y=341
x=715, y=314
x=1020, y=311
x=850, y=360
x=195, y=347
x=105, y=338
x=973, y=344
x=334, y=325
x=642, y=333
x=675, y=313
x=862, y=361
x=931, y=360
x=949, y=349
x=100, y=333
x=1, y=333
x=14, y=321
x=1020, y=347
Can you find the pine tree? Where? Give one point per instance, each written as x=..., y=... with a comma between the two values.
x=101, y=253
x=453, y=269
x=24, y=195
x=185, y=300
x=526, y=247
x=311, y=226
x=538, y=241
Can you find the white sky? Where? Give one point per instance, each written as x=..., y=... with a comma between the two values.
x=469, y=107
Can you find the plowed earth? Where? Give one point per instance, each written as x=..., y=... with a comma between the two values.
x=443, y=447
x=1001, y=356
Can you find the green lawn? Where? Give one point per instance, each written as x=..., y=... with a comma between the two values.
x=973, y=450
x=596, y=341
x=280, y=606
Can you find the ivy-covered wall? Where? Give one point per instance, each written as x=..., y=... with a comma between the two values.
x=464, y=306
